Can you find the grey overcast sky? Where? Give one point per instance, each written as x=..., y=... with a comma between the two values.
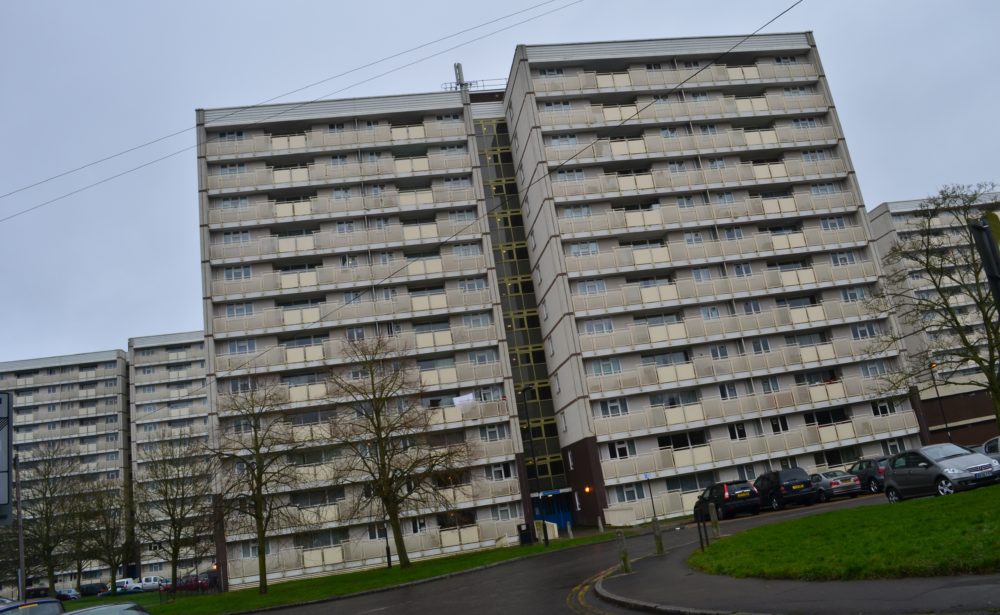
x=916, y=84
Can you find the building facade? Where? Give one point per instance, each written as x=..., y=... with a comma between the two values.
x=341, y=220
x=701, y=258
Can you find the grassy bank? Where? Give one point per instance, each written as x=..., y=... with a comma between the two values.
x=958, y=534
x=306, y=590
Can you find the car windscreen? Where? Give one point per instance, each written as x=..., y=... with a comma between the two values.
x=793, y=474
x=939, y=452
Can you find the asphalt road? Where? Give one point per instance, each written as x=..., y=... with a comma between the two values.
x=558, y=582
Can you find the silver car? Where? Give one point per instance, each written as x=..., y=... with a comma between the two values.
x=938, y=469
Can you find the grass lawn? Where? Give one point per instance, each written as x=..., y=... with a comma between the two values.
x=935, y=536
x=305, y=590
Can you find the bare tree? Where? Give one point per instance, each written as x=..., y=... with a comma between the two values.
x=79, y=525
x=173, y=499
x=254, y=448
x=936, y=287
x=8, y=556
x=108, y=538
x=386, y=435
x=49, y=498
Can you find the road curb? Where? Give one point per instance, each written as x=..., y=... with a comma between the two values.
x=653, y=607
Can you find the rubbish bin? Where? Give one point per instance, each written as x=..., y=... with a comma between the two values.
x=524, y=531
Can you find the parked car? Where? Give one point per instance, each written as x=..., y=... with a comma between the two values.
x=835, y=484
x=729, y=499
x=4, y=601
x=117, y=608
x=193, y=582
x=871, y=472
x=152, y=584
x=128, y=584
x=32, y=593
x=42, y=606
x=93, y=589
x=938, y=469
x=991, y=448
x=67, y=593
x=779, y=488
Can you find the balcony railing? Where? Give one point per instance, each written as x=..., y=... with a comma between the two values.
x=679, y=253
x=319, y=139
x=619, y=221
x=326, y=276
x=771, y=280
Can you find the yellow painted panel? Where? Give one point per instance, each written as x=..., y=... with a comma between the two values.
x=751, y=72
x=310, y=315
x=286, y=244
x=450, y=538
x=684, y=457
x=828, y=433
x=676, y=331
x=333, y=555
x=298, y=393
x=787, y=204
x=420, y=302
x=302, y=208
x=743, y=105
x=312, y=557
x=291, y=317
x=771, y=206
x=417, y=132
x=469, y=534
x=658, y=334
x=442, y=338
x=626, y=182
x=317, y=391
x=753, y=137
x=307, y=278
x=314, y=353
x=734, y=73
x=799, y=316
x=644, y=181
x=702, y=454
x=411, y=232
x=284, y=210
x=769, y=137
x=818, y=394
x=667, y=373
x=694, y=412
x=619, y=148
x=668, y=293
x=685, y=371
x=306, y=243
x=836, y=390
x=295, y=355
x=633, y=218
x=403, y=166
x=399, y=133
x=448, y=374
x=760, y=171
x=612, y=114
x=605, y=81
x=780, y=242
x=622, y=80
x=759, y=104
x=809, y=354
x=421, y=164
x=297, y=141
x=636, y=146
x=807, y=276
x=778, y=169
x=282, y=176
x=424, y=340
x=826, y=352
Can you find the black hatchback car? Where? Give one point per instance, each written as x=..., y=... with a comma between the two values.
x=782, y=487
x=871, y=472
x=729, y=498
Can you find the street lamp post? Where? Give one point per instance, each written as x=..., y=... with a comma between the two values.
x=20, y=530
x=937, y=393
x=531, y=447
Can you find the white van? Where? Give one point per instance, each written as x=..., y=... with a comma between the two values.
x=127, y=585
x=151, y=584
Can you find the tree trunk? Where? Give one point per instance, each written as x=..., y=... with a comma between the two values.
x=50, y=575
x=174, y=557
x=261, y=556
x=397, y=536
x=79, y=574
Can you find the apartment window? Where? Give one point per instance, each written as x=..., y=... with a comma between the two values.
x=355, y=334
x=710, y=312
x=671, y=132
x=232, y=169
x=567, y=139
x=805, y=122
x=238, y=309
x=450, y=117
x=685, y=202
x=236, y=202
x=852, y=294
x=336, y=127
x=816, y=154
x=345, y=226
x=558, y=105
x=591, y=287
x=456, y=183
x=570, y=175
x=147, y=388
x=883, y=407
x=786, y=60
x=498, y=471
x=242, y=346
x=576, y=211
x=779, y=424
x=751, y=307
x=597, y=326
x=230, y=135
x=728, y=390
x=797, y=91
x=697, y=96
x=865, y=330
x=719, y=351
x=737, y=431
x=622, y=449
x=483, y=357
x=742, y=270
x=833, y=223
x=147, y=370
x=237, y=273
x=824, y=188
x=760, y=345
x=677, y=166
x=476, y=321
x=722, y=198
x=672, y=399
x=630, y=493
x=708, y=129
x=494, y=432
x=550, y=72
x=838, y=259
x=873, y=369
x=653, y=66
x=467, y=249
x=701, y=274
x=613, y=407
x=584, y=248
x=893, y=446
x=769, y=384
x=605, y=366
x=691, y=483
x=691, y=64
x=376, y=531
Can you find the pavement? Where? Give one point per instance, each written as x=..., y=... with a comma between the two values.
x=665, y=584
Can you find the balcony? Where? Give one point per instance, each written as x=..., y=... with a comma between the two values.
x=319, y=139
x=352, y=206
x=597, y=116
x=462, y=374
x=707, y=370
x=784, y=319
x=606, y=186
x=668, y=214
x=325, y=172
x=639, y=77
x=634, y=296
x=680, y=254
x=652, y=143
x=722, y=452
x=326, y=277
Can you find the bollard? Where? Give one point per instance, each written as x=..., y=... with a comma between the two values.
x=623, y=552
x=713, y=513
x=600, y=525
x=569, y=530
x=657, y=537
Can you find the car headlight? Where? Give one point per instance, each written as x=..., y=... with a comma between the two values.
x=996, y=464
x=953, y=471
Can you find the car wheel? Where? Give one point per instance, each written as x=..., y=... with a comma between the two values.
x=945, y=486
x=821, y=496
x=775, y=503
x=873, y=485
x=892, y=495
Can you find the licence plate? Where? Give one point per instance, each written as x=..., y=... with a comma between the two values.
x=743, y=494
x=985, y=474
x=797, y=486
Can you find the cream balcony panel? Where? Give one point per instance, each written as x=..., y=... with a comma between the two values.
x=498, y=448
x=179, y=392
x=751, y=105
x=467, y=372
x=797, y=168
x=657, y=294
x=619, y=114
x=489, y=489
x=684, y=414
x=441, y=162
x=250, y=145
x=402, y=133
x=255, y=177
x=445, y=414
x=613, y=80
x=285, y=176
x=288, y=142
x=444, y=129
x=777, y=102
x=415, y=232
x=416, y=197
x=300, y=317
x=424, y=266
x=627, y=147
x=665, y=333
x=304, y=353
x=438, y=301
x=789, y=241
x=433, y=338
x=650, y=256
x=812, y=313
x=412, y=165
